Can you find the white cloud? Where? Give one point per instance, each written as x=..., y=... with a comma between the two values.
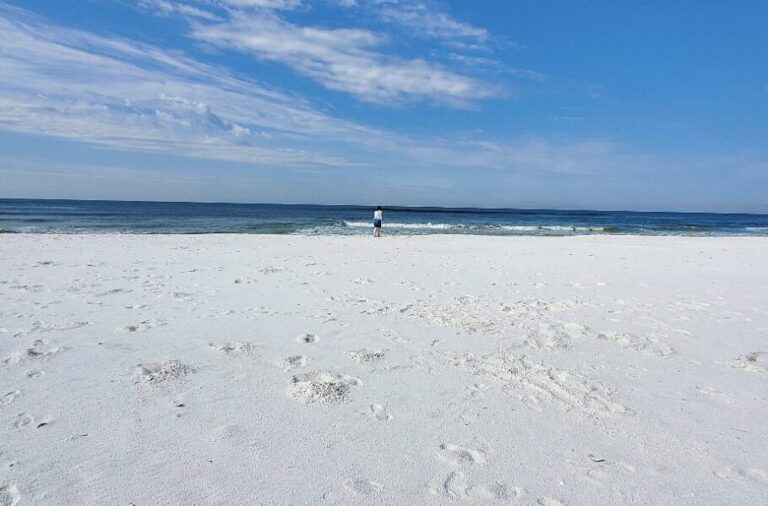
x=344, y=60
x=203, y=8
x=169, y=7
x=422, y=19
x=348, y=60
x=431, y=23
x=345, y=3
x=265, y=4
x=111, y=92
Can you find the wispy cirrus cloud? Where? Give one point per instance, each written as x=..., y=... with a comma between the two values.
x=169, y=7
x=429, y=22
x=211, y=9
x=264, y=4
x=345, y=60
x=126, y=95
x=422, y=20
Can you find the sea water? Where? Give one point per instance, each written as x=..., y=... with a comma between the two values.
x=100, y=216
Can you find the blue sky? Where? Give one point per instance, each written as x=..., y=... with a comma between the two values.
x=497, y=103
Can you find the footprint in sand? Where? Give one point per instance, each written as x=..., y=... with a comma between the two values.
x=162, y=372
x=114, y=291
x=143, y=326
x=460, y=455
x=554, y=337
x=292, y=362
x=233, y=348
x=548, y=501
x=496, y=491
x=271, y=270
x=755, y=362
x=646, y=345
x=455, y=486
x=308, y=338
x=29, y=288
x=476, y=391
x=10, y=397
x=363, y=487
x=9, y=495
x=380, y=413
x=739, y=474
x=23, y=420
x=366, y=355
x=602, y=468
x=40, y=349
x=58, y=327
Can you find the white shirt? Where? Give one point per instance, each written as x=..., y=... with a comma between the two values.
x=377, y=215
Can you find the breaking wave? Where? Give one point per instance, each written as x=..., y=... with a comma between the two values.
x=479, y=228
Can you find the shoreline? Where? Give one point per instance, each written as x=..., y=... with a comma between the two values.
x=384, y=235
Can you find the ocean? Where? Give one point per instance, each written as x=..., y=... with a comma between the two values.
x=101, y=216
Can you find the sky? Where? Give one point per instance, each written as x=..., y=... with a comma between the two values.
x=613, y=104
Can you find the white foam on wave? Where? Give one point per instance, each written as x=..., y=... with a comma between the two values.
x=477, y=226
x=437, y=226
x=551, y=228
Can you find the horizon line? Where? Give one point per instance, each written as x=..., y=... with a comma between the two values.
x=446, y=208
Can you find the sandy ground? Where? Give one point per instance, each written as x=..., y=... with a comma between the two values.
x=230, y=369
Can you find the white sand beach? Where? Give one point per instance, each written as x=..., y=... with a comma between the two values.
x=276, y=370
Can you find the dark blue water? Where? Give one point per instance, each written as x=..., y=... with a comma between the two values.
x=92, y=216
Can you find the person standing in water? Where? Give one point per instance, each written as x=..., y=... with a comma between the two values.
x=377, y=222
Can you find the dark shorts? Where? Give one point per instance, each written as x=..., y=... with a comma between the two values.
x=377, y=223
